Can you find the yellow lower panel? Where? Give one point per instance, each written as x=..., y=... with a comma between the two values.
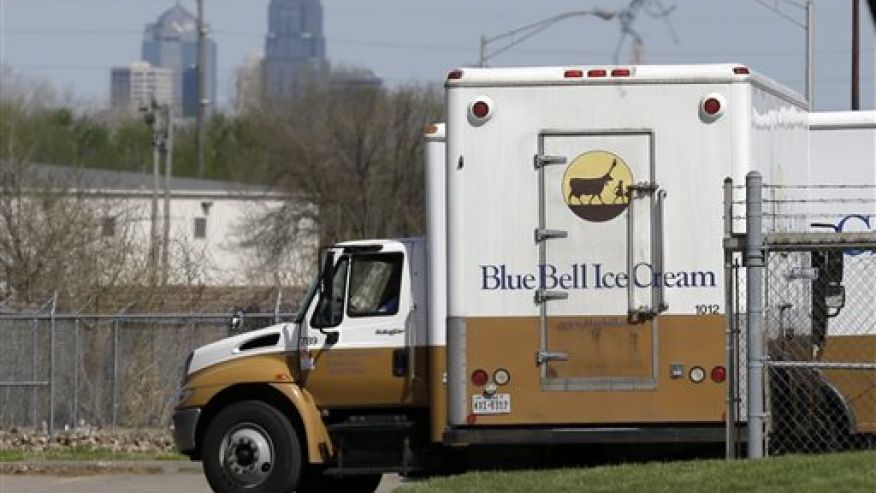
x=512, y=343
x=857, y=386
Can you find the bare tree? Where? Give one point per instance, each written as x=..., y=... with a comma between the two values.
x=353, y=151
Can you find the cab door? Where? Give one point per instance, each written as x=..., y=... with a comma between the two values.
x=357, y=331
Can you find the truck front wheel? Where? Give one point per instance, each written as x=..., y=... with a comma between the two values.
x=252, y=447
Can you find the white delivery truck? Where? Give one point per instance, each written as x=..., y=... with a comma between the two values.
x=569, y=289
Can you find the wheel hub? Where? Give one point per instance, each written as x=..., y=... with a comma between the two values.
x=247, y=454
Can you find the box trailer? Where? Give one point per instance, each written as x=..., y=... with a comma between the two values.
x=569, y=289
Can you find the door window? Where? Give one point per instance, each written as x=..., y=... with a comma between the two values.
x=330, y=310
x=375, y=285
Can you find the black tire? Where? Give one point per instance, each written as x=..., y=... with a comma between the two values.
x=252, y=447
x=315, y=481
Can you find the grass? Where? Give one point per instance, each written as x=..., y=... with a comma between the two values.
x=83, y=454
x=836, y=473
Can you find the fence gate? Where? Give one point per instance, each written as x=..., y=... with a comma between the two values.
x=803, y=304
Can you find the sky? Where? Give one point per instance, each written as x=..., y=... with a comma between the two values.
x=73, y=43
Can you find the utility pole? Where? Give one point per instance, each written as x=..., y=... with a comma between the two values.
x=203, y=101
x=810, y=55
x=856, y=55
x=167, y=150
x=152, y=117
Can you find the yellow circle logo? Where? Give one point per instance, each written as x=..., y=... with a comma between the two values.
x=595, y=186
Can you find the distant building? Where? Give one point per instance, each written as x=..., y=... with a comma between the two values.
x=209, y=219
x=294, y=47
x=248, y=84
x=172, y=42
x=133, y=86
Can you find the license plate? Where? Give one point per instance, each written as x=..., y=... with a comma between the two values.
x=494, y=404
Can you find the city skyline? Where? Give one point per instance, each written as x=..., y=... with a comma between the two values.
x=402, y=42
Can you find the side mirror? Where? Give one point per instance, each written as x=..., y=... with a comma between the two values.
x=236, y=321
x=835, y=298
x=331, y=337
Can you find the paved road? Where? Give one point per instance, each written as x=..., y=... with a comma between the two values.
x=128, y=483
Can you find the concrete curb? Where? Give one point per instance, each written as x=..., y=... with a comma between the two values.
x=90, y=468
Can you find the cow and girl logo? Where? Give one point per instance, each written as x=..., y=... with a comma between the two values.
x=595, y=186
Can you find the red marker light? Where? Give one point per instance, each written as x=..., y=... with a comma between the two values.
x=479, y=378
x=596, y=72
x=569, y=74
x=480, y=109
x=712, y=106
x=740, y=70
x=620, y=72
x=454, y=75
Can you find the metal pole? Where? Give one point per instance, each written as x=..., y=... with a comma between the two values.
x=810, y=55
x=115, y=375
x=856, y=55
x=203, y=101
x=167, y=150
x=482, y=61
x=156, y=158
x=754, y=262
x=52, y=366
x=730, y=425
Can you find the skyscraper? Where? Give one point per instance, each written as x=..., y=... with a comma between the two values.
x=134, y=86
x=172, y=42
x=294, y=46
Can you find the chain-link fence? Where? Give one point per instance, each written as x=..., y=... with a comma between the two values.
x=805, y=302
x=59, y=370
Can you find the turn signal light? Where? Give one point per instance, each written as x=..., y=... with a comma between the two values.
x=719, y=374
x=479, y=378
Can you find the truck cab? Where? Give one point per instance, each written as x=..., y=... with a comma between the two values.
x=350, y=368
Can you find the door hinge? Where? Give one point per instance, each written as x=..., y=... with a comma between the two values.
x=549, y=234
x=543, y=295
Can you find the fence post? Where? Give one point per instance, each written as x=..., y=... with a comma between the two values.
x=33, y=374
x=729, y=315
x=115, y=375
x=52, y=366
x=754, y=262
x=76, y=363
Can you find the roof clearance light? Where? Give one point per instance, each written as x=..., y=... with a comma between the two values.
x=479, y=378
x=719, y=374
x=596, y=72
x=570, y=74
x=741, y=70
x=430, y=129
x=620, y=72
x=454, y=75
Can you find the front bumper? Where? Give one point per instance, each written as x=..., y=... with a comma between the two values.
x=185, y=423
